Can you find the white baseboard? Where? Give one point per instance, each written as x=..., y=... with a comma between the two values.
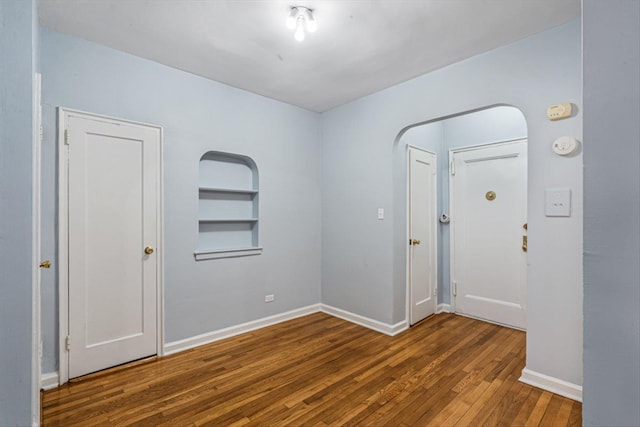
x=376, y=325
x=49, y=380
x=554, y=385
x=443, y=308
x=209, y=337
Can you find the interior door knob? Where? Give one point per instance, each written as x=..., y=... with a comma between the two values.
x=148, y=250
x=45, y=264
x=415, y=242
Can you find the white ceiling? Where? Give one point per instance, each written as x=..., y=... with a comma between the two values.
x=361, y=46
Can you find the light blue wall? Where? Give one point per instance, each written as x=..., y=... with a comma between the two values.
x=501, y=123
x=198, y=115
x=495, y=124
x=612, y=212
x=363, y=259
x=17, y=66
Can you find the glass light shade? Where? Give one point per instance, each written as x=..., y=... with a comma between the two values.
x=299, y=35
x=312, y=25
x=292, y=18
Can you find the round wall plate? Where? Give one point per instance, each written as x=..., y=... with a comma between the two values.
x=565, y=145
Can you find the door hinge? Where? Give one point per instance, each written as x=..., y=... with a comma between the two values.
x=453, y=168
x=66, y=137
x=67, y=343
x=455, y=289
x=41, y=133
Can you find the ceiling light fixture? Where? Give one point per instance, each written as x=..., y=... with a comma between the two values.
x=301, y=18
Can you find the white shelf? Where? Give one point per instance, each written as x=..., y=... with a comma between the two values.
x=227, y=190
x=228, y=208
x=227, y=220
x=226, y=253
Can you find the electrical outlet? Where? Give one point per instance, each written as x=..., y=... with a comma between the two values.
x=269, y=298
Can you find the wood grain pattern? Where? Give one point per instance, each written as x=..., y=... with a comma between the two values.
x=318, y=370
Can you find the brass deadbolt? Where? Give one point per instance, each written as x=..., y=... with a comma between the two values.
x=491, y=195
x=148, y=250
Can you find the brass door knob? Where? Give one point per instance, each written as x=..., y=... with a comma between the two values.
x=415, y=242
x=148, y=250
x=45, y=264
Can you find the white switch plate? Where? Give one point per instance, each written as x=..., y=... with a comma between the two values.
x=269, y=298
x=380, y=213
x=557, y=202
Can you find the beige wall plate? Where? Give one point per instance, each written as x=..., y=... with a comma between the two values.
x=559, y=111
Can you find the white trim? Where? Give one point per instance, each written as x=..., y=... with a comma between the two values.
x=443, y=308
x=63, y=234
x=63, y=245
x=487, y=144
x=407, y=249
x=36, y=211
x=160, y=237
x=49, y=380
x=376, y=325
x=231, y=331
x=552, y=384
x=227, y=253
x=452, y=298
x=209, y=337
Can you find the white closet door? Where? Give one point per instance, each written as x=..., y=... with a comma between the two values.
x=113, y=218
x=423, y=254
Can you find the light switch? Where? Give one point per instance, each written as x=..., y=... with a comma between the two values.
x=380, y=213
x=557, y=202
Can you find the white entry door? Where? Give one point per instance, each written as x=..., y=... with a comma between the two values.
x=113, y=216
x=489, y=211
x=423, y=254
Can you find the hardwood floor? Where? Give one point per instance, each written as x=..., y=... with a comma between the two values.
x=322, y=371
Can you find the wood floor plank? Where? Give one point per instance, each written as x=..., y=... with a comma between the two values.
x=318, y=370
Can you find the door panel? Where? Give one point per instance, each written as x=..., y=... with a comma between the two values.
x=112, y=217
x=489, y=266
x=423, y=256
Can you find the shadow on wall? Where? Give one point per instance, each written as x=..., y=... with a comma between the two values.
x=487, y=125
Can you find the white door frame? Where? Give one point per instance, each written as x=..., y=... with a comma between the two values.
x=63, y=237
x=452, y=214
x=408, y=232
x=36, y=211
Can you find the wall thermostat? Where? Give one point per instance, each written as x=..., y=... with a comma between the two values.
x=565, y=145
x=559, y=111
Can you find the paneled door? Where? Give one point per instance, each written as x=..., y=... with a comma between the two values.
x=423, y=255
x=113, y=222
x=489, y=215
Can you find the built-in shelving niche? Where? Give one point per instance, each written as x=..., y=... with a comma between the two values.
x=228, y=206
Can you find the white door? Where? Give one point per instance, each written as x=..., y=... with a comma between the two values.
x=423, y=255
x=112, y=219
x=488, y=212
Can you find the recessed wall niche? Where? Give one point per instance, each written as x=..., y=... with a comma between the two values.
x=227, y=206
